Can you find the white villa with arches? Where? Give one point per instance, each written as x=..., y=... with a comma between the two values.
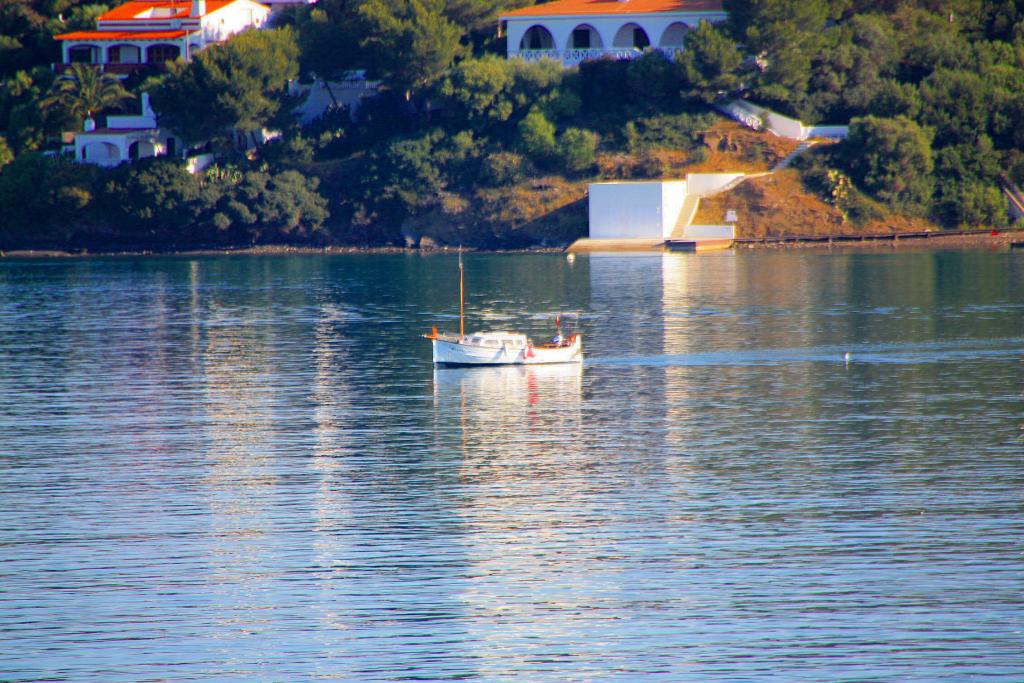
x=125, y=138
x=147, y=32
x=572, y=31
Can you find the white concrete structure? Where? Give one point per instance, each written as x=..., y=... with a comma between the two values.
x=147, y=32
x=708, y=184
x=646, y=215
x=762, y=118
x=635, y=210
x=125, y=138
x=572, y=31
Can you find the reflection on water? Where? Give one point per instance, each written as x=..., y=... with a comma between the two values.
x=248, y=469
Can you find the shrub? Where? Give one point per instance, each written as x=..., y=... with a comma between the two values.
x=679, y=131
x=6, y=155
x=504, y=168
x=971, y=203
x=892, y=160
x=43, y=199
x=578, y=150
x=537, y=136
x=649, y=165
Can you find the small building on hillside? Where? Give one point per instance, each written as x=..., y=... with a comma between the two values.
x=125, y=138
x=147, y=32
x=572, y=31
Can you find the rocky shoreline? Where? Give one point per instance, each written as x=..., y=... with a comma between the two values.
x=996, y=240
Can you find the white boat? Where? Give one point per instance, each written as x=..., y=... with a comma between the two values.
x=500, y=348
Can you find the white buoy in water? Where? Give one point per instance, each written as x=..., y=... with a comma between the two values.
x=571, y=258
x=847, y=356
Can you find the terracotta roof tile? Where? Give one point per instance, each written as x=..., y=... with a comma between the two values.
x=181, y=8
x=122, y=35
x=614, y=7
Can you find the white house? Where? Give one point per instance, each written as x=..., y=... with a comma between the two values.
x=572, y=31
x=144, y=32
x=125, y=138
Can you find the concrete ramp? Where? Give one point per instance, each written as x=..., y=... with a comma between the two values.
x=586, y=245
x=1016, y=199
x=686, y=214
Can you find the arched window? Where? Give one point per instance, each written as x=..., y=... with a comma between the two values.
x=537, y=38
x=83, y=54
x=585, y=37
x=162, y=53
x=631, y=35
x=674, y=35
x=100, y=151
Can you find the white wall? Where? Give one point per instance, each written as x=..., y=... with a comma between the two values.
x=758, y=117
x=635, y=210
x=836, y=132
x=231, y=19
x=673, y=197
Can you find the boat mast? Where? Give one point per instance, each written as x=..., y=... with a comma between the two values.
x=462, y=298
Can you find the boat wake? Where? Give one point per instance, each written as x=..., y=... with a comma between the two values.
x=953, y=351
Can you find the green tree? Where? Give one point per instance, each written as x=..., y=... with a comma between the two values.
x=892, y=160
x=6, y=153
x=43, y=200
x=653, y=79
x=401, y=177
x=22, y=32
x=475, y=15
x=25, y=122
x=152, y=201
x=970, y=202
x=709, y=64
x=410, y=42
x=84, y=91
x=958, y=105
x=928, y=41
x=893, y=98
x=329, y=35
x=477, y=89
x=239, y=85
x=785, y=35
x=488, y=92
x=263, y=206
x=849, y=71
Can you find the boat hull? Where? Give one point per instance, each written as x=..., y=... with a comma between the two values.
x=456, y=354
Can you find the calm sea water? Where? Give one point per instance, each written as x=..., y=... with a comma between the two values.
x=246, y=469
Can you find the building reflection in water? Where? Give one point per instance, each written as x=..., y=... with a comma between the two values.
x=229, y=350
x=332, y=464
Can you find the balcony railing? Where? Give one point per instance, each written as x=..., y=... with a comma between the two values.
x=574, y=56
x=116, y=69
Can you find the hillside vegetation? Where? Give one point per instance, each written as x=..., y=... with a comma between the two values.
x=463, y=146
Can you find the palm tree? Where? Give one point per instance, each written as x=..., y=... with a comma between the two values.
x=84, y=90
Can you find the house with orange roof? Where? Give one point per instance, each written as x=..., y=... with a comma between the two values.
x=147, y=32
x=572, y=31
